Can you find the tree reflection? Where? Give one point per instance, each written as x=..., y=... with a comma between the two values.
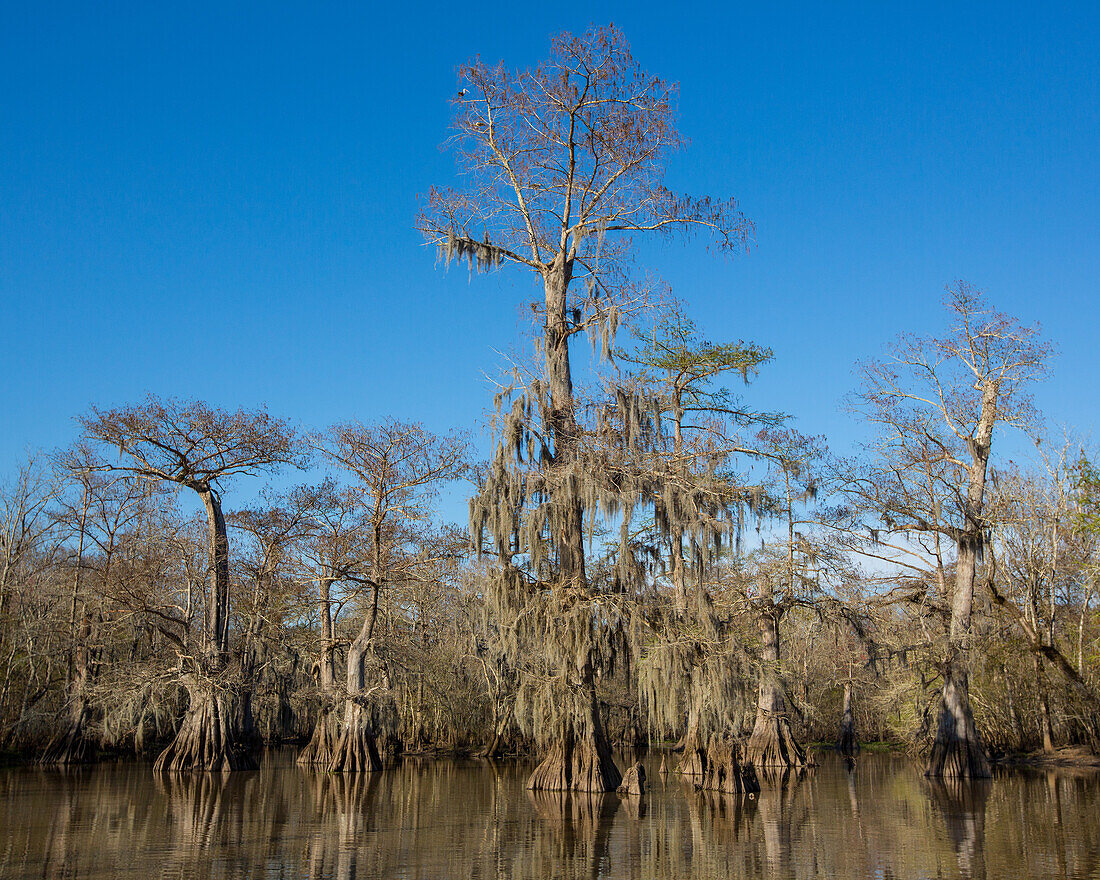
x=426, y=821
x=963, y=805
x=778, y=804
x=581, y=823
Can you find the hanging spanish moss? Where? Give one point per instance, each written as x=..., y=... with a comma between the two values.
x=565, y=630
x=480, y=256
x=564, y=634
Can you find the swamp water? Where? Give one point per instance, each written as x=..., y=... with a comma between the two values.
x=438, y=820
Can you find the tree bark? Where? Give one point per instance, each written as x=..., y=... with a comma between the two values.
x=694, y=760
x=772, y=743
x=1045, y=725
x=563, y=420
x=321, y=748
x=580, y=759
x=72, y=746
x=357, y=747
x=727, y=771
x=958, y=750
x=205, y=740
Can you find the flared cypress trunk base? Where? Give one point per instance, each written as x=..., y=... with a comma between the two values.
x=847, y=745
x=726, y=769
x=577, y=764
x=634, y=782
x=205, y=740
x=694, y=760
x=957, y=752
x=356, y=749
x=773, y=743
x=958, y=759
x=70, y=748
x=321, y=748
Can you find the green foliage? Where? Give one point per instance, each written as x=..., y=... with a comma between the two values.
x=1086, y=517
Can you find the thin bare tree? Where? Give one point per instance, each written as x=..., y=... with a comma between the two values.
x=936, y=403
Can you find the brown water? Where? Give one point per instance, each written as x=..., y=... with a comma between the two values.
x=440, y=820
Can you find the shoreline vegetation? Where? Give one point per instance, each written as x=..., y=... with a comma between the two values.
x=649, y=556
x=1074, y=758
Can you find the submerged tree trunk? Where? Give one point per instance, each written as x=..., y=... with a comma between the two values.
x=847, y=744
x=208, y=738
x=726, y=770
x=1045, y=724
x=247, y=735
x=497, y=745
x=958, y=750
x=252, y=656
x=772, y=743
x=694, y=760
x=321, y=748
x=580, y=758
x=72, y=746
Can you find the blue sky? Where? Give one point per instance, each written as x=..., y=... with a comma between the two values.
x=217, y=201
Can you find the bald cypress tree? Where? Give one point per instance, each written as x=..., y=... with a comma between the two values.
x=199, y=448
x=564, y=165
x=937, y=404
x=692, y=663
x=395, y=469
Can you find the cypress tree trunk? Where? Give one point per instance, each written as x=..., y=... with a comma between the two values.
x=694, y=760
x=495, y=748
x=580, y=758
x=563, y=423
x=321, y=748
x=208, y=737
x=726, y=771
x=1045, y=724
x=847, y=744
x=247, y=734
x=957, y=750
x=71, y=746
x=772, y=743
x=357, y=748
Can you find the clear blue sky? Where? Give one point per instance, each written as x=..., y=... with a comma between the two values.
x=217, y=201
